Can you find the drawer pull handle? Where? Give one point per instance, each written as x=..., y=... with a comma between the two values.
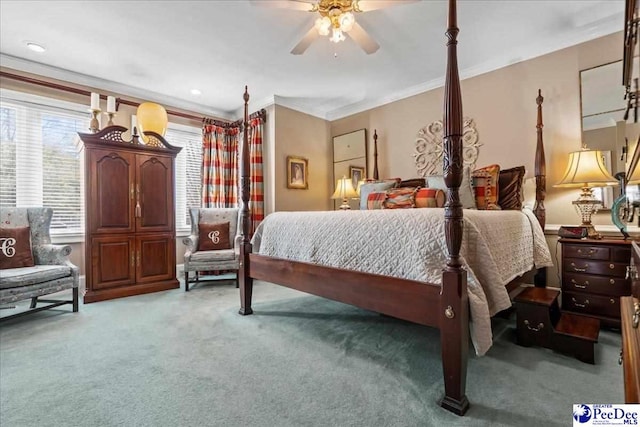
x=612, y=266
x=636, y=315
x=612, y=282
x=620, y=358
x=612, y=301
x=578, y=285
x=579, y=269
x=534, y=329
x=590, y=252
x=577, y=304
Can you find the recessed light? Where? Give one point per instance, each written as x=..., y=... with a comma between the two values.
x=195, y=92
x=35, y=47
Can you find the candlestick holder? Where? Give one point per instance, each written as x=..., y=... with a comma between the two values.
x=94, y=125
x=135, y=136
x=111, y=115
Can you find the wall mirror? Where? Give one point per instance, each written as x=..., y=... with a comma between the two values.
x=350, y=160
x=603, y=107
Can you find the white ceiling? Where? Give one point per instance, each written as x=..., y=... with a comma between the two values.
x=161, y=50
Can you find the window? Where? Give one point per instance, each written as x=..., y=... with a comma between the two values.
x=39, y=162
x=188, y=170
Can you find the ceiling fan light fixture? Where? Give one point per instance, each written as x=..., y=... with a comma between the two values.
x=337, y=36
x=346, y=21
x=323, y=25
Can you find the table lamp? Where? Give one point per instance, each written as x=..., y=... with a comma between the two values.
x=344, y=191
x=587, y=170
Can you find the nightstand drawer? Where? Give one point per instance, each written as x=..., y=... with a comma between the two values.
x=591, y=304
x=621, y=255
x=587, y=252
x=614, y=286
x=605, y=268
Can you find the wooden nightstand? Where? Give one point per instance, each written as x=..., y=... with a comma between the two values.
x=594, y=277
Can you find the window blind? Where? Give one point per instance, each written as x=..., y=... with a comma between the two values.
x=40, y=163
x=188, y=170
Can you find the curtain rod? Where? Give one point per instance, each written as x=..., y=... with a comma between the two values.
x=262, y=114
x=61, y=87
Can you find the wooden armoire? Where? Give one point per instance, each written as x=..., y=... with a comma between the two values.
x=130, y=233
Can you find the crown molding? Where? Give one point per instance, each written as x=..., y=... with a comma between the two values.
x=57, y=73
x=590, y=31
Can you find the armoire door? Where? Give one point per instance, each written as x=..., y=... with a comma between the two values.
x=111, y=204
x=113, y=262
x=154, y=188
x=155, y=257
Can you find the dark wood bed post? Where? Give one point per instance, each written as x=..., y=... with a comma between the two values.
x=246, y=282
x=454, y=301
x=540, y=279
x=375, y=155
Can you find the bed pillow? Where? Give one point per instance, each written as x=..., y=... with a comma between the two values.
x=467, y=195
x=15, y=248
x=370, y=187
x=375, y=200
x=400, y=198
x=213, y=237
x=485, y=186
x=429, y=198
x=510, y=191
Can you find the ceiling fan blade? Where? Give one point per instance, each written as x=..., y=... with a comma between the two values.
x=363, y=39
x=368, y=5
x=306, y=41
x=305, y=6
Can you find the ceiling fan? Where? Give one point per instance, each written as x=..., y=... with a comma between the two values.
x=336, y=19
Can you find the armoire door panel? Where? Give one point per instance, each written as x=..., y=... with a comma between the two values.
x=155, y=257
x=112, y=262
x=155, y=181
x=111, y=184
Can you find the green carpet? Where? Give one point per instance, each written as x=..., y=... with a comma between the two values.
x=188, y=359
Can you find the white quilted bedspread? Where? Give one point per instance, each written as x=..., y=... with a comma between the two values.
x=409, y=243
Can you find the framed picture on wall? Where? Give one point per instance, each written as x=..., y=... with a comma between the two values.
x=356, y=173
x=297, y=172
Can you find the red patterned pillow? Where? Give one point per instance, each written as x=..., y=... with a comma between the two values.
x=400, y=198
x=213, y=237
x=375, y=199
x=485, y=186
x=430, y=198
x=15, y=248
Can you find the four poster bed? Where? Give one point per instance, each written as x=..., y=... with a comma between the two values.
x=443, y=303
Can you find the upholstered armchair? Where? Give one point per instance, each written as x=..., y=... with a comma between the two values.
x=201, y=253
x=50, y=271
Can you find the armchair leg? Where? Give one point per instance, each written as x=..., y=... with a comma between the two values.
x=237, y=279
x=186, y=281
x=34, y=301
x=75, y=300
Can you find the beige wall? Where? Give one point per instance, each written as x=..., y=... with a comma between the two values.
x=503, y=104
x=302, y=135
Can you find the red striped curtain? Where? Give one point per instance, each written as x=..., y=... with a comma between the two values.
x=256, y=200
x=219, y=167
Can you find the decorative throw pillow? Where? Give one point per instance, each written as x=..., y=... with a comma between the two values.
x=467, y=195
x=400, y=198
x=370, y=187
x=376, y=200
x=213, y=237
x=15, y=248
x=510, y=191
x=429, y=198
x=414, y=182
x=485, y=185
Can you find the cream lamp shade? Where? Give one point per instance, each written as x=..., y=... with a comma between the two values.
x=344, y=191
x=152, y=117
x=587, y=170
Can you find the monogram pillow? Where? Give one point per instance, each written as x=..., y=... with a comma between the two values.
x=15, y=248
x=213, y=237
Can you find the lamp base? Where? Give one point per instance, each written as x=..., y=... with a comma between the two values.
x=344, y=205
